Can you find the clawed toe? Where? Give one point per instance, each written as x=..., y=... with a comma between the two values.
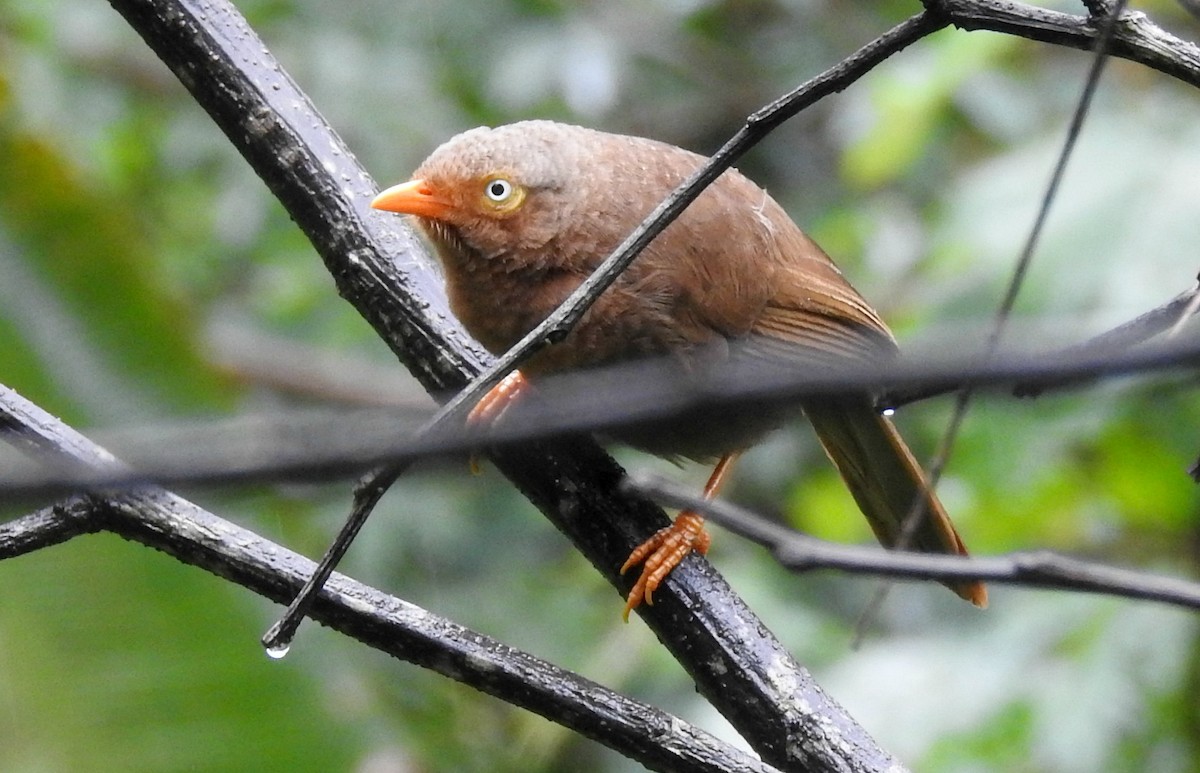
x=658, y=555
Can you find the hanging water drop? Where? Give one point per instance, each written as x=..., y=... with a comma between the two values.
x=278, y=651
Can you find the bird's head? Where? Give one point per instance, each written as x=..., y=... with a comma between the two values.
x=495, y=193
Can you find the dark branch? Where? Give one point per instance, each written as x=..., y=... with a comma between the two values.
x=44, y=528
x=1043, y=569
x=1135, y=37
x=174, y=525
x=603, y=400
x=756, y=128
x=652, y=737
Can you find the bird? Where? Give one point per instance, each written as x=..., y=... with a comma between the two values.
x=520, y=214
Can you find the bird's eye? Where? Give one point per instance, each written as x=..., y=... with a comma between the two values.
x=501, y=197
x=498, y=190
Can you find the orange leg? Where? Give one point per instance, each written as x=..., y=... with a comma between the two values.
x=491, y=406
x=668, y=546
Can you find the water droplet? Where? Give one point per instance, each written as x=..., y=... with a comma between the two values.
x=278, y=651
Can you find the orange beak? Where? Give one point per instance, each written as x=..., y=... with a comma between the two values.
x=414, y=197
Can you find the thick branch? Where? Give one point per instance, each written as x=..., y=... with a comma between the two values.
x=174, y=525
x=403, y=630
x=44, y=528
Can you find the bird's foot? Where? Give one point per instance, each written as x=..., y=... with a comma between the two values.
x=491, y=407
x=662, y=553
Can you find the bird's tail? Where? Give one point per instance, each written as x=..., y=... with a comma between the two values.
x=886, y=480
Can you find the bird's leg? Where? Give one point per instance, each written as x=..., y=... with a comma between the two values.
x=491, y=406
x=668, y=546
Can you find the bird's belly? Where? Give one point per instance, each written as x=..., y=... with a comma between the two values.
x=619, y=327
x=706, y=433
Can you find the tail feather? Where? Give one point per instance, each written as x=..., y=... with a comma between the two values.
x=885, y=480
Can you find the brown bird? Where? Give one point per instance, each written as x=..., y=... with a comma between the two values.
x=521, y=214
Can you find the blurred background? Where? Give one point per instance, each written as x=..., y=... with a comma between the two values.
x=148, y=278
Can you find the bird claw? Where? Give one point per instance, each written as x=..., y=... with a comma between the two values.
x=491, y=407
x=658, y=555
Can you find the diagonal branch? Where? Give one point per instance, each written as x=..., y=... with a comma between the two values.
x=757, y=127
x=1134, y=37
x=1111, y=343
x=556, y=326
x=161, y=520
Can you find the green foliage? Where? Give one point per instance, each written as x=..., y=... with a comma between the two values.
x=1003, y=741
x=914, y=106
x=86, y=247
x=129, y=227
x=117, y=658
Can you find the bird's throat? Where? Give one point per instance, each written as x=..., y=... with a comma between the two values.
x=498, y=301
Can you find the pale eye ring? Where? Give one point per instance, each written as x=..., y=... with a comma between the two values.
x=498, y=190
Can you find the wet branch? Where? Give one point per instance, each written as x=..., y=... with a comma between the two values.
x=1040, y=569
x=164, y=521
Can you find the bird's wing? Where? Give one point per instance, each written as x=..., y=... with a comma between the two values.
x=817, y=315
x=733, y=267
x=759, y=279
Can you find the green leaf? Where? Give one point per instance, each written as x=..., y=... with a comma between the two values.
x=88, y=247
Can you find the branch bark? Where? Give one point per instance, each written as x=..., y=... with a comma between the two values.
x=1041, y=569
x=164, y=521
x=1135, y=37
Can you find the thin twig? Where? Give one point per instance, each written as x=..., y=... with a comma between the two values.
x=1137, y=330
x=1166, y=318
x=962, y=401
x=758, y=125
x=603, y=400
x=1042, y=569
x=1187, y=312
